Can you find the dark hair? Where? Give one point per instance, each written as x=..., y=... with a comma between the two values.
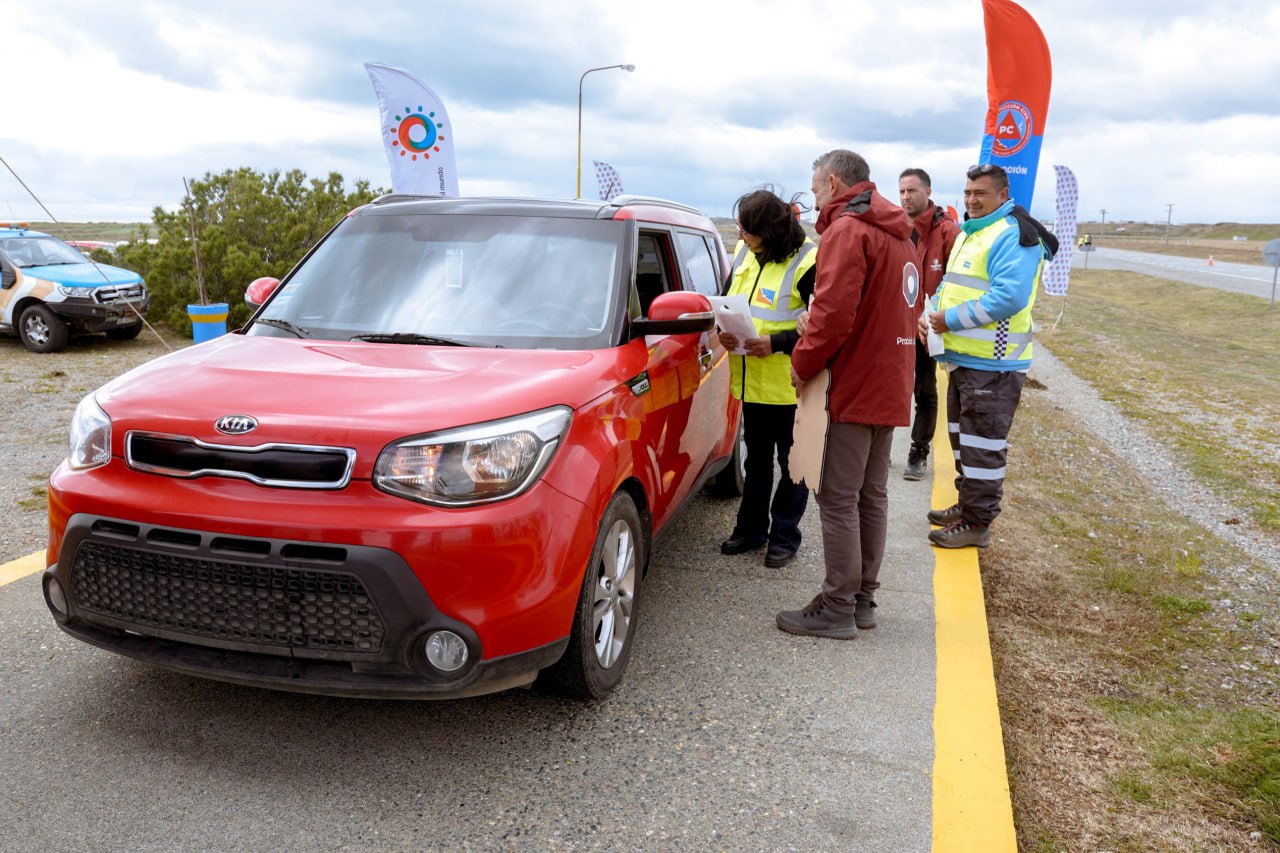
x=762, y=213
x=989, y=170
x=847, y=166
x=918, y=173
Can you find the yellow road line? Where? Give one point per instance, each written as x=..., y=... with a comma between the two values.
x=971, y=805
x=21, y=567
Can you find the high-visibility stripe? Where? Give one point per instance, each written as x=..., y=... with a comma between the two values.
x=786, y=313
x=982, y=473
x=1023, y=338
x=968, y=281
x=981, y=443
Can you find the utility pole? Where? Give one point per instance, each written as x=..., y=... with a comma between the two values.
x=1102, y=229
x=1167, y=222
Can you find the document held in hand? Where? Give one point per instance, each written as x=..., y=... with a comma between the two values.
x=733, y=316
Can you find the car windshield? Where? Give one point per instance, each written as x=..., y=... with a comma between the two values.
x=457, y=279
x=40, y=252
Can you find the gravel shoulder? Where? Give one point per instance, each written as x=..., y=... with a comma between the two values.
x=38, y=395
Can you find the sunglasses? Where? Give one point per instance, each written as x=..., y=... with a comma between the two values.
x=982, y=170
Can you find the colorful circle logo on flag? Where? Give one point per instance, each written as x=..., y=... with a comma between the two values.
x=416, y=134
x=1013, y=128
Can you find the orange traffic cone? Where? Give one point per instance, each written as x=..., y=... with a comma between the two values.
x=1211, y=260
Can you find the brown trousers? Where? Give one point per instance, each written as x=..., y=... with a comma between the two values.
x=854, y=508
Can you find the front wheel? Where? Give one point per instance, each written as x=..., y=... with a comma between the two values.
x=604, y=622
x=41, y=330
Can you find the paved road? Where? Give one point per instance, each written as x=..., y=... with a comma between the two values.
x=1240, y=278
x=726, y=734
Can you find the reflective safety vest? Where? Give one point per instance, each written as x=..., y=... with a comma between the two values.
x=775, y=305
x=1004, y=340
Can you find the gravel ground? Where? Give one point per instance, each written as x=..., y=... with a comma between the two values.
x=38, y=394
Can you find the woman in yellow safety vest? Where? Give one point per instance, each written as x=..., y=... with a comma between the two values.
x=773, y=267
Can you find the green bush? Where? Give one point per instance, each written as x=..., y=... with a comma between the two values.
x=247, y=224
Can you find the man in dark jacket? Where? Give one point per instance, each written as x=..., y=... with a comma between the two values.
x=861, y=328
x=934, y=234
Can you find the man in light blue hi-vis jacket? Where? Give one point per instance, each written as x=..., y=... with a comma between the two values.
x=983, y=312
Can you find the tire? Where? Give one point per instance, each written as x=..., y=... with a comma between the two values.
x=125, y=333
x=605, y=620
x=728, y=483
x=41, y=330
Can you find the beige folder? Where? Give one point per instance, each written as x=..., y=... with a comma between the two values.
x=809, y=435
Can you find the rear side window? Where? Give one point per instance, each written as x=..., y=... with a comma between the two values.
x=699, y=266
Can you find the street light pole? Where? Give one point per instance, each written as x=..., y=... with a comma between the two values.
x=578, y=191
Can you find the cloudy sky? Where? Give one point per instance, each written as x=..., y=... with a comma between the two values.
x=107, y=106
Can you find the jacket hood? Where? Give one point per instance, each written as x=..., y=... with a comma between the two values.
x=865, y=202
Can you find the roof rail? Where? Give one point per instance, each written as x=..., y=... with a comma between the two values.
x=391, y=197
x=627, y=198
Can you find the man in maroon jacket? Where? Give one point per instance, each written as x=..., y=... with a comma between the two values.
x=861, y=328
x=934, y=235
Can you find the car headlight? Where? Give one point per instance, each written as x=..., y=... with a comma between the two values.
x=90, y=444
x=474, y=464
x=76, y=292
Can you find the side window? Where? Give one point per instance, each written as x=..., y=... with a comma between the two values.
x=699, y=266
x=653, y=274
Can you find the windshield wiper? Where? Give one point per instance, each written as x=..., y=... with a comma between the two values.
x=286, y=325
x=407, y=338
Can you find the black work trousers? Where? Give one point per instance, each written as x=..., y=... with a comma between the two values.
x=766, y=428
x=980, y=407
x=926, y=420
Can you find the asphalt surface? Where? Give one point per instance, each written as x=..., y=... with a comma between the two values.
x=1248, y=279
x=726, y=733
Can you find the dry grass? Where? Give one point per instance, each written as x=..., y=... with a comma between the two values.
x=1139, y=713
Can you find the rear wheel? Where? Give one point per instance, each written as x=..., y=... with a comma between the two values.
x=41, y=330
x=604, y=622
x=125, y=333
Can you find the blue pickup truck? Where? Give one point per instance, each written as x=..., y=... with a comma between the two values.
x=49, y=291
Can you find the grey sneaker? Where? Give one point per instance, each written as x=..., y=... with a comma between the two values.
x=943, y=517
x=961, y=534
x=817, y=619
x=864, y=615
x=917, y=464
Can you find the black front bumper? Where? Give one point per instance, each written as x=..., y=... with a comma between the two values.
x=336, y=620
x=90, y=316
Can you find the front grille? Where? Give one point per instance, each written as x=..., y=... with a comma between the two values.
x=283, y=465
x=107, y=294
x=272, y=608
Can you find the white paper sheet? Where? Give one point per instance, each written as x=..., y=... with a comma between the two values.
x=734, y=316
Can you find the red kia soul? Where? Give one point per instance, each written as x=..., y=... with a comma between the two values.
x=433, y=464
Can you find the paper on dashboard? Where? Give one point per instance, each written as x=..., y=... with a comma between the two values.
x=733, y=316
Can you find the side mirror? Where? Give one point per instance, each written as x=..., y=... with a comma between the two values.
x=259, y=291
x=8, y=278
x=676, y=313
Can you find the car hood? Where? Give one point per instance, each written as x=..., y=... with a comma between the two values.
x=83, y=275
x=357, y=395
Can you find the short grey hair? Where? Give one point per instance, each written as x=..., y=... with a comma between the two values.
x=849, y=168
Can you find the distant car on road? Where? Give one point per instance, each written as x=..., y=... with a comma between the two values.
x=50, y=291
x=434, y=463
